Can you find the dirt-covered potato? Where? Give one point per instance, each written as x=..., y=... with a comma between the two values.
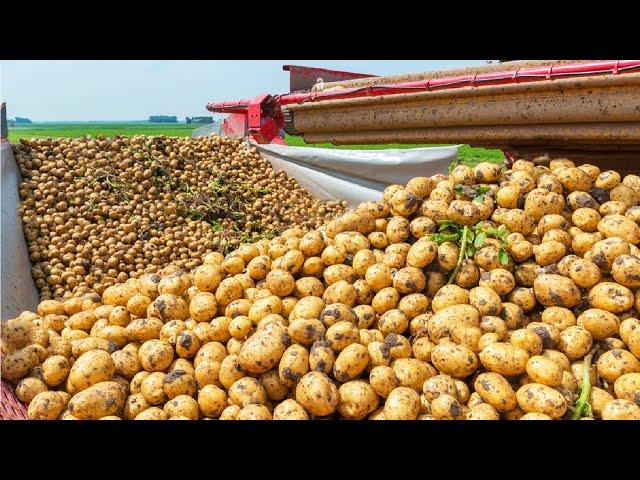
x=621, y=409
x=99, y=400
x=627, y=387
x=612, y=364
x=402, y=403
x=28, y=388
x=45, y=406
x=504, y=358
x=356, y=400
x=459, y=361
x=317, y=394
x=17, y=365
x=341, y=334
x=263, y=350
x=290, y=410
x=555, y=290
x=91, y=367
x=611, y=297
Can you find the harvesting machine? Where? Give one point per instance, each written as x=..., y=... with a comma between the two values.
x=585, y=110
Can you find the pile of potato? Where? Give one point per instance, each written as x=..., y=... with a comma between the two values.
x=99, y=211
x=383, y=313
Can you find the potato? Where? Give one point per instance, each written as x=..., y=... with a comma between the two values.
x=599, y=323
x=615, y=363
x=499, y=280
x=16, y=365
x=351, y=361
x=539, y=398
x=627, y=387
x=143, y=329
x=321, y=357
x=254, y=412
x=341, y=334
x=97, y=401
x=317, y=394
x=290, y=410
x=168, y=307
x=152, y=388
x=294, y=364
x=263, y=350
x=45, y=406
x=611, y=297
x=504, y=358
x=134, y=405
x=555, y=290
x=544, y=370
x=482, y=411
x=155, y=355
x=620, y=409
x=412, y=373
x=459, y=361
x=402, y=403
x=152, y=413
x=135, y=385
x=55, y=370
x=356, y=400
x=496, y=391
x=340, y=292
x=28, y=388
x=527, y=340
x=91, y=367
x=485, y=300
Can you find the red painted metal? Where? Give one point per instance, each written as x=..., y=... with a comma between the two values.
x=304, y=78
x=265, y=115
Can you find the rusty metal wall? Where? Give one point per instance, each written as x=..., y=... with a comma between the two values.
x=410, y=77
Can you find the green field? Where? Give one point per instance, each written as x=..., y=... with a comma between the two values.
x=79, y=129
x=466, y=154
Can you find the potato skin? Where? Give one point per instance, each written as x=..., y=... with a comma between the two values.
x=263, y=350
x=496, y=391
x=317, y=394
x=97, y=401
x=621, y=409
x=403, y=403
x=504, y=358
x=90, y=368
x=459, y=361
x=45, y=406
x=611, y=297
x=538, y=398
x=290, y=410
x=555, y=290
x=351, y=362
x=356, y=400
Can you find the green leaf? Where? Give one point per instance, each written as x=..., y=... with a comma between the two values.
x=479, y=241
x=504, y=258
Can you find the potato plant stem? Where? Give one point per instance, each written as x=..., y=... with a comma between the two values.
x=463, y=249
x=582, y=407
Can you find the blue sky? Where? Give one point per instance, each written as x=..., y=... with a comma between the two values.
x=132, y=90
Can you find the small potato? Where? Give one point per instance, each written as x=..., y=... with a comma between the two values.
x=92, y=367
x=627, y=387
x=412, y=373
x=626, y=271
x=254, y=412
x=350, y=363
x=559, y=317
x=356, y=400
x=45, y=406
x=496, y=391
x=230, y=371
x=614, y=363
x=402, y=403
x=337, y=312
x=321, y=357
x=549, y=252
x=55, y=370
x=383, y=380
x=504, y=358
x=575, y=342
x=99, y=400
x=527, y=340
x=152, y=413
x=539, y=398
x=317, y=394
x=294, y=364
x=135, y=386
x=543, y=370
x=143, y=329
x=535, y=416
x=459, y=361
x=152, y=388
x=555, y=290
x=499, y=280
x=446, y=407
x=290, y=410
x=340, y=292
x=168, y=307
x=179, y=382
x=599, y=323
x=611, y=297
x=449, y=295
x=155, y=355
x=134, y=405
x=482, y=411
x=485, y=300
x=620, y=409
x=203, y=307
x=341, y=334
x=28, y=388
x=183, y=407
x=246, y=391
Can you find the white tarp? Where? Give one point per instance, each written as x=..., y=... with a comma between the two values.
x=356, y=175
x=18, y=292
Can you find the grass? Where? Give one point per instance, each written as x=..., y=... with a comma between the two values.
x=80, y=129
x=467, y=155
